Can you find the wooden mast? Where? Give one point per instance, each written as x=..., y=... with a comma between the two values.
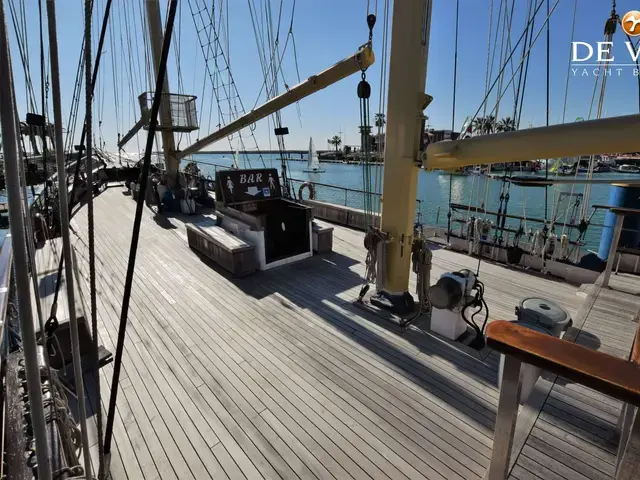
x=405, y=105
x=156, y=38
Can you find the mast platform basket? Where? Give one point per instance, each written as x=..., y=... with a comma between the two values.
x=184, y=115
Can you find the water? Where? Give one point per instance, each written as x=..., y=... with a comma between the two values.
x=433, y=191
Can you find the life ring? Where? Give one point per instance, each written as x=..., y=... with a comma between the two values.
x=312, y=190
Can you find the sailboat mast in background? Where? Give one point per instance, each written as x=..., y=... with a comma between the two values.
x=313, y=164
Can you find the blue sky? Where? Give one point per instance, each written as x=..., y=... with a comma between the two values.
x=324, y=33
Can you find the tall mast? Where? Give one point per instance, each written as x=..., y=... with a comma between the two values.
x=156, y=38
x=405, y=105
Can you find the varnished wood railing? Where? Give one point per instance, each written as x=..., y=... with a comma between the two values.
x=607, y=374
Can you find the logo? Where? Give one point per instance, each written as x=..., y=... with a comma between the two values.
x=631, y=23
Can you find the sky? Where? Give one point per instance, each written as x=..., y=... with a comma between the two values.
x=324, y=33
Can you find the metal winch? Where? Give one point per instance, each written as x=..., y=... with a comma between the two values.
x=453, y=295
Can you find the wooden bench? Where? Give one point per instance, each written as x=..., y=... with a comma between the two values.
x=322, y=237
x=225, y=249
x=605, y=373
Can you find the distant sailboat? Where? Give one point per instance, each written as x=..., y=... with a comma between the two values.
x=313, y=164
x=235, y=160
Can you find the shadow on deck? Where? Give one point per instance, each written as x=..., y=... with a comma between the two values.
x=283, y=376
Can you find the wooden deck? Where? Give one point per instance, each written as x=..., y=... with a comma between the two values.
x=279, y=375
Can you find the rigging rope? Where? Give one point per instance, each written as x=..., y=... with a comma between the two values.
x=546, y=161
x=219, y=60
x=144, y=174
x=24, y=56
x=509, y=58
x=522, y=61
x=381, y=106
x=609, y=30
x=487, y=74
x=89, y=90
x=94, y=75
x=532, y=18
x=44, y=88
x=364, y=93
x=518, y=90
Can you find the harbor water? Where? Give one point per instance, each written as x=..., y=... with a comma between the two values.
x=434, y=189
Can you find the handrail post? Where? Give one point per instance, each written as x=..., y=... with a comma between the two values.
x=613, y=248
x=506, y=420
x=628, y=460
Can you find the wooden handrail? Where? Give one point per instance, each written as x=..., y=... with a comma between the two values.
x=625, y=211
x=600, y=371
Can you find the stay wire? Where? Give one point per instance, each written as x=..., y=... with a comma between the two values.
x=144, y=174
x=518, y=90
x=43, y=88
x=505, y=63
x=455, y=68
x=487, y=73
x=548, y=71
x=527, y=54
x=94, y=76
x=24, y=57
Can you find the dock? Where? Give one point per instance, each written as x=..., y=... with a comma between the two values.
x=279, y=375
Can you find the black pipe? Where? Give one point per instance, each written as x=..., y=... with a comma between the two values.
x=144, y=174
x=94, y=78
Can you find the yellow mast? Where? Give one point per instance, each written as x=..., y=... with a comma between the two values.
x=406, y=102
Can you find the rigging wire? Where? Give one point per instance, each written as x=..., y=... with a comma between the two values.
x=503, y=51
x=382, y=99
x=516, y=99
x=44, y=87
x=144, y=174
x=494, y=50
x=526, y=70
x=487, y=73
x=11, y=134
x=610, y=28
x=83, y=135
x=24, y=56
x=90, y=83
x=453, y=107
x=229, y=89
x=513, y=51
x=546, y=161
x=566, y=96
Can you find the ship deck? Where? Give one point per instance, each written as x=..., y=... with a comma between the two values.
x=280, y=375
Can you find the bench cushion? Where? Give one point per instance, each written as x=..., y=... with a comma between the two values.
x=225, y=249
x=213, y=233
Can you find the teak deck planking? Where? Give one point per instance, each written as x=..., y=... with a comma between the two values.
x=278, y=375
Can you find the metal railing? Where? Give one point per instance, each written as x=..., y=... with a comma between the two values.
x=614, y=248
x=347, y=197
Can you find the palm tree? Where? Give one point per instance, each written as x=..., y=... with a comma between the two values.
x=489, y=125
x=477, y=125
x=336, y=141
x=380, y=120
x=507, y=124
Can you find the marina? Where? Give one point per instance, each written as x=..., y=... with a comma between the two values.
x=423, y=303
